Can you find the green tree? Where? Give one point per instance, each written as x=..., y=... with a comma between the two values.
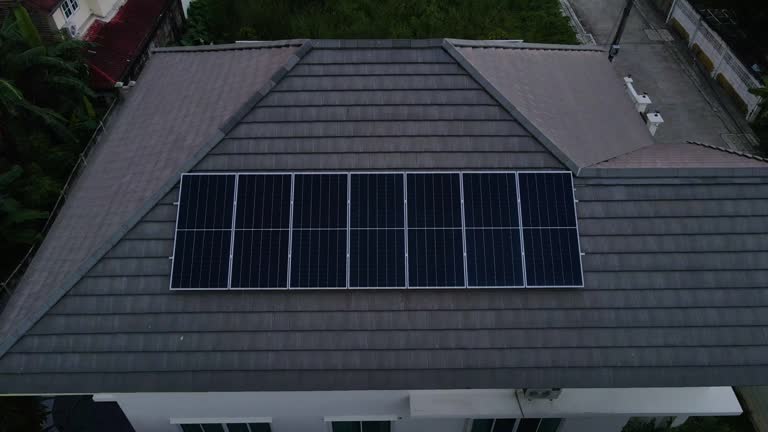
x=223, y=21
x=21, y=414
x=46, y=117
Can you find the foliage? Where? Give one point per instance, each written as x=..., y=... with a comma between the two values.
x=694, y=424
x=45, y=119
x=222, y=21
x=21, y=414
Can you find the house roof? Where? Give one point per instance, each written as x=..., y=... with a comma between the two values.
x=122, y=39
x=683, y=155
x=673, y=266
x=571, y=95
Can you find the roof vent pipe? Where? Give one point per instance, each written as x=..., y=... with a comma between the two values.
x=653, y=120
x=641, y=101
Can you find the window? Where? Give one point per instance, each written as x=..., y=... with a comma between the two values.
x=515, y=425
x=226, y=427
x=360, y=426
x=69, y=7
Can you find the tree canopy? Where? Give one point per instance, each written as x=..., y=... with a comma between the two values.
x=223, y=21
x=46, y=117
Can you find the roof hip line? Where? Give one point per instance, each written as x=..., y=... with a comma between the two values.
x=90, y=262
x=449, y=47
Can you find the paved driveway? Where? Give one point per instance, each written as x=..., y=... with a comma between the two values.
x=693, y=107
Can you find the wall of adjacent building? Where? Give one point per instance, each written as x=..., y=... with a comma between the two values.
x=78, y=19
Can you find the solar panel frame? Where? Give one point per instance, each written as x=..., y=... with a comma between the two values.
x=420, y=227
x=235, y=230
x=346, y=174
x=575, y=227
x=405, y=228
x=176, y=230
x=519, y=227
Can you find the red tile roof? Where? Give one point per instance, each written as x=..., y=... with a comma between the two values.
x=122, y=39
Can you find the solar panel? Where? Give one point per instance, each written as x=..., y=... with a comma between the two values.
x=262, y=231
x=206, y=202
x=492, y=230
x=550, y=235
x=203, y=238
x=377, y=231
x=435, y=239
x=318, y=256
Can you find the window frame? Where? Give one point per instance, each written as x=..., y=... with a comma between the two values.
x=221, y=421
x=71, y=5
x=359, y=419
x=518, y=421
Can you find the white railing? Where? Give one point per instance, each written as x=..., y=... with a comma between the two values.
x=724, y=61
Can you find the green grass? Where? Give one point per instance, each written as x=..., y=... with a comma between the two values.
x=223, y=21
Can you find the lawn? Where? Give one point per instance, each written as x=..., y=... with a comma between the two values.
x=223, y=21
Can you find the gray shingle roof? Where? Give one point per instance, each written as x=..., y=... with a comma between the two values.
x=675, y=261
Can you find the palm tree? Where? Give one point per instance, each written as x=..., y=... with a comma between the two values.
x=39, y=85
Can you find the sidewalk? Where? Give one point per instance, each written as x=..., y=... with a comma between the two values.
x=692, y=105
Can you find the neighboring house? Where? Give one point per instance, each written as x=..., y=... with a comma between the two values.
x=314, y=139
x=123, y=32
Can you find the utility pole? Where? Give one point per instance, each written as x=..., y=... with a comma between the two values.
x=615, y=44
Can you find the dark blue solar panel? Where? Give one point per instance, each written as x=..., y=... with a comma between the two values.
x=377, y=239
x=434, y=200
x=550, y=237
x=546, y=200
x=263, y=201
x=206, y=202
x=201, y=259
x=260, y=259
x=319, y=259
x=435, y=258
x=377, y=258
x=552, y=257
x=490, y=200
x=494, y=257
x=320, y=201
x=377, y=201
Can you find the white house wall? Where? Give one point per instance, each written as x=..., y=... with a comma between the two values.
x=594, y=410
x=78, y=19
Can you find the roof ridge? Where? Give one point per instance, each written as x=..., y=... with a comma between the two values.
x=731, y=151
x=380, y=43
x=510, y=44
x=244, y=45
x=88, y=263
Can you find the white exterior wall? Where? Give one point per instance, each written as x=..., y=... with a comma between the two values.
x=725, y=61
x=79, y=18
x=87, y=12
x=587, y=410
x=102, y=8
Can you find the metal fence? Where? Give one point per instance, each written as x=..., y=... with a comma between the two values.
x=723, y=59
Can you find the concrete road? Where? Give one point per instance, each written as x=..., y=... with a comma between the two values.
x=692, y=105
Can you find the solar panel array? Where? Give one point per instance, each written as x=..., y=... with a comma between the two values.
x=376, y=230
